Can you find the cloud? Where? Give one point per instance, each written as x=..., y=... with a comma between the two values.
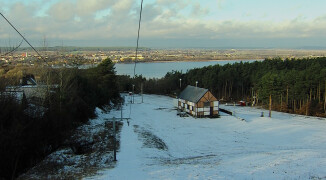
x=62, y=11
x=123, y=6
x=220, y=3
x=87, y=7
x=150, y=12
x=198, y=10
x=172, y=3
x=162, y=19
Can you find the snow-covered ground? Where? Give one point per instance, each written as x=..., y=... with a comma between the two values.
x=158, y=144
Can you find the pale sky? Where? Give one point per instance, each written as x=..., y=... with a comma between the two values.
x=167, y=23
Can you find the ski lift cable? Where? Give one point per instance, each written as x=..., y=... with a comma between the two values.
x=129, y=110
x=140, y=13
x=137, y=46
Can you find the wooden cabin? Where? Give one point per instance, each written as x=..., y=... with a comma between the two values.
x=198, y=102
x=29, y=89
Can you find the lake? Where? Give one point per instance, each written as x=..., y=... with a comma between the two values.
x=159, y=69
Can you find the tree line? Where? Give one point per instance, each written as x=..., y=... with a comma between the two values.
x=26, y=138
x=293, y=85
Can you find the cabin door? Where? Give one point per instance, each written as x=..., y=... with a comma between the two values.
x=206, y=108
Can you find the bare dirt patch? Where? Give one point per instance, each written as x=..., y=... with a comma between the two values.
x=149, y=139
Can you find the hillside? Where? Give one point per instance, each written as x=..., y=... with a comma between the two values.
x=158, y=144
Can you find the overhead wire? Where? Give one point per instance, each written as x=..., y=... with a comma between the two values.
x=48, y=72
x=137, y=46
x=23, y=37
x=140, y=13
x=14, y=49
x=44, y=60
x=11, y=51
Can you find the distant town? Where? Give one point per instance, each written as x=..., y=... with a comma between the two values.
x=78, y=56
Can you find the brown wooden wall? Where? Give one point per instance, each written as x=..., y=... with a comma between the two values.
x=207, y=97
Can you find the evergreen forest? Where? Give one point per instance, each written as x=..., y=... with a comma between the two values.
x=293, y=85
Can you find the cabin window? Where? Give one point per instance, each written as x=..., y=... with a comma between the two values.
x=207, y=104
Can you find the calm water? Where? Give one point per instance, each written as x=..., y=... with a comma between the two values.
x=159, y=69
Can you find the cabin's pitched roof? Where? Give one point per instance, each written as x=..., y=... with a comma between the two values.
x=193, y=94
x=28, y=80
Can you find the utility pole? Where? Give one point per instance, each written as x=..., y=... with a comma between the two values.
x=281, y=102
x=325, y=98
x=307, y=106
x=121, y=110
x=270, y=106
x=133, y=92
x=114, y=142
x=114, y=135
x=180, y=82
x=141, y=87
